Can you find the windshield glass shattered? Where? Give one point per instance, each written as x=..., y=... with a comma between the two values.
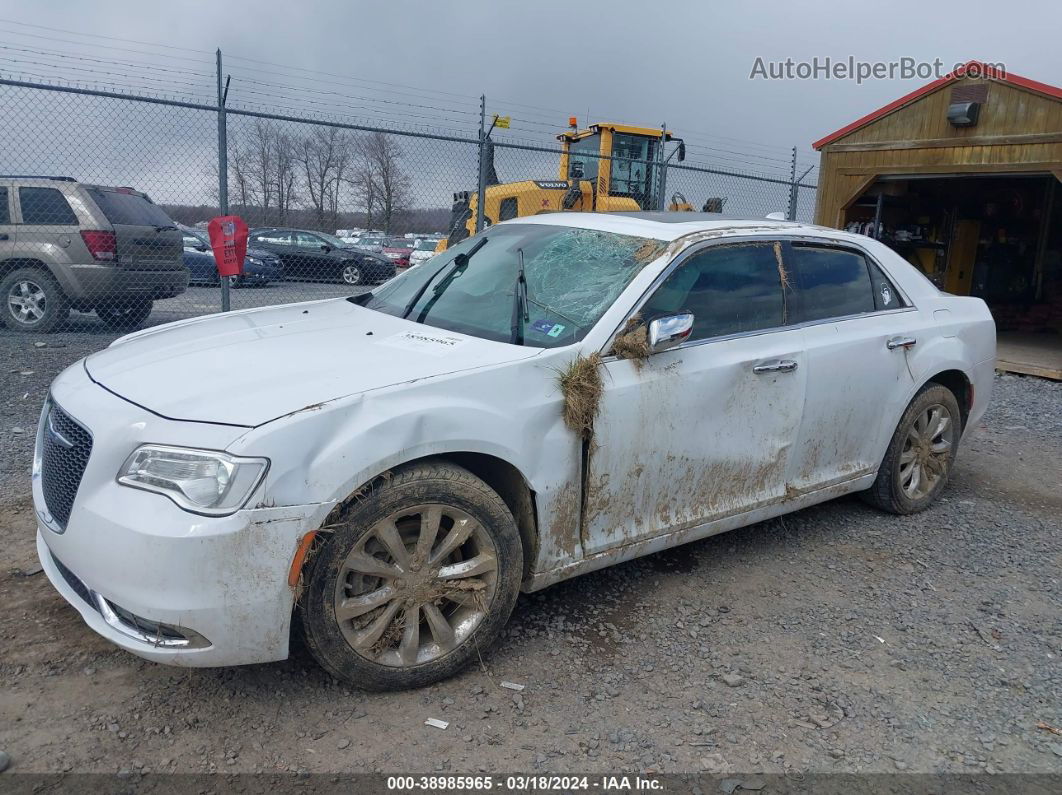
x=573, y=275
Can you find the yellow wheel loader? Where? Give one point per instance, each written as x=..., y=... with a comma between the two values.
x=606, y=168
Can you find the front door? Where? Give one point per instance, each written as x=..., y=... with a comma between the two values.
x=704, y=430
x=854, y=334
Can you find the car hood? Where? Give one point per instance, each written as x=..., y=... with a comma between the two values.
x=261, y=253
x=250, y=367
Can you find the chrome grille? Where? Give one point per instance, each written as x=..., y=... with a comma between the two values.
x=65, y=450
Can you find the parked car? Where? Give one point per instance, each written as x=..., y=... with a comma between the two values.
x=68, y=245
x=371, y=243
x=398, y=250
x=423, y=251
x=260, y=267
x=317, y=256
x=563, y=392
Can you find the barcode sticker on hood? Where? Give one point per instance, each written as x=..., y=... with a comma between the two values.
x=425, y=342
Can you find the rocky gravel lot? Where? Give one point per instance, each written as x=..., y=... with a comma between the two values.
x=837, y=639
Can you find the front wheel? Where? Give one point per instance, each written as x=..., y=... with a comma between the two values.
x=125, y=315
x=921, y=454
x=351, y=274
x=414, y=581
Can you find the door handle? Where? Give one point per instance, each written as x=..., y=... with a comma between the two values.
x=900, y=342
x=780, y=366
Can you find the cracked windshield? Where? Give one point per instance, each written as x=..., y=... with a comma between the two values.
x=531, y=284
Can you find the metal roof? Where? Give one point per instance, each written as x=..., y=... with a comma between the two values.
x=989, y=72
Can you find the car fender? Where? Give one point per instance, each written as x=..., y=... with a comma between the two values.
x=325, y=453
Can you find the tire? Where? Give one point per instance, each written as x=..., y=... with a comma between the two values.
x=33, y=301
x=392, y=656
x=350, y=274
x=918, y=463
x=125, y=315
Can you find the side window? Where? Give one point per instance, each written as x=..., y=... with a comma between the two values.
x=507, y=209
x=5, y=215
x=729, y=289
x=304, y=240
x=276, y=238
x=44, y=206
x=886, y=296
x=831, y=282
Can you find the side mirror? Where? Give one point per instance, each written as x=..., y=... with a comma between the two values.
x=667, y=332
x=202, y=248
x=326, y=249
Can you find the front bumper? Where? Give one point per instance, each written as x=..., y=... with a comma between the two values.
x=142, y=571
x=206, y=600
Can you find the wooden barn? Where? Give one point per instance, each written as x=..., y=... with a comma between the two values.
x=961, y=178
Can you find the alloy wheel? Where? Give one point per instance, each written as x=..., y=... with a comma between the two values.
x=416, y=585
x=351, y=274
x=27, y=302
x=926, y=452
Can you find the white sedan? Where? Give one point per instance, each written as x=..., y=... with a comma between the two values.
x=555, y=395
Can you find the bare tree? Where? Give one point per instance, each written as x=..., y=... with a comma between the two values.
x=324, y=158
x=378, y=180
x=262, y=172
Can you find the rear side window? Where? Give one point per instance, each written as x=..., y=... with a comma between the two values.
x=5, y=215
x=129, y=209
x=276, y=238
x=831, y=282
x=45, y=206
x=886, y=296
x=729, y=289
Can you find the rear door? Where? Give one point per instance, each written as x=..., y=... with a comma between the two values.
x=857, y=375
x=146, y=237
x=314, y=259
x=49, y=227
x=280, y=243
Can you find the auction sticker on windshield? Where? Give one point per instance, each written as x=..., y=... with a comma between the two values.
x=433, y=344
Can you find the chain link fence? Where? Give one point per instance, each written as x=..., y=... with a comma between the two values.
x=105, y=197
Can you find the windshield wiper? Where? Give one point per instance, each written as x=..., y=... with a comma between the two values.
x=460, y=262
x=520, y=315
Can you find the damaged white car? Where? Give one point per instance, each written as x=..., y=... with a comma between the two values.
x=383, y=474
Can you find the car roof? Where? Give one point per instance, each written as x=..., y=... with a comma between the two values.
x=670, y=225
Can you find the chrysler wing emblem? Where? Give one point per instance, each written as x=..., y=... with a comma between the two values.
x=55, y=434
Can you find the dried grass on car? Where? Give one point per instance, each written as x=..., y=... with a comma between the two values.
x=581, y=385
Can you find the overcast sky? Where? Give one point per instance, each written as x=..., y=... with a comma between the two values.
x=686, y=63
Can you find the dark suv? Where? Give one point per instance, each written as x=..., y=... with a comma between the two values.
x=318, y=256
x=68, y=245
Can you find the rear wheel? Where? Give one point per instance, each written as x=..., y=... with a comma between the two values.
x=921, y=454
x=125, y=315
x=33, y=300
x=416, y=580
x=351, y=273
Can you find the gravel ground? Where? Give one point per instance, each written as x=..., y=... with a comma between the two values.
x=836, y=639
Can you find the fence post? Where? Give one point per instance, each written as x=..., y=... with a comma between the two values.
x=223, y=172
x=662, y=182
x=791, y=212
x=482, y=185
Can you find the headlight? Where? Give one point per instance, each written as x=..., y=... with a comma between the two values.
x=201, y=481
